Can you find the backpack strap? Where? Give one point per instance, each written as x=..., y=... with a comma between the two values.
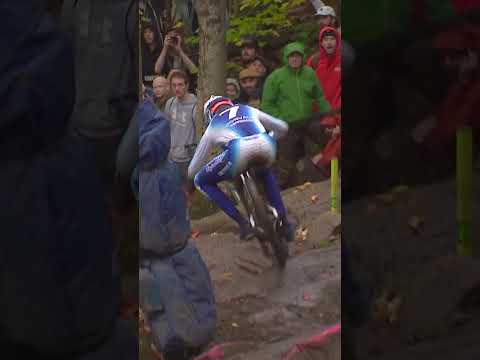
x=193, y=122
x=171, y=100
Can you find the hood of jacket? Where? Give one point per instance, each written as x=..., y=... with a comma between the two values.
x=290, y=49
x=154, y=135
x=336, y=57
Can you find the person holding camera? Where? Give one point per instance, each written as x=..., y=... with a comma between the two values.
x=173, y=57
x=180, y=111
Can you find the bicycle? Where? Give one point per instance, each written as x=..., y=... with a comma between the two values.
x=262, y=217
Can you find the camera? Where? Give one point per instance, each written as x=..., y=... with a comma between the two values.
x=174, y=40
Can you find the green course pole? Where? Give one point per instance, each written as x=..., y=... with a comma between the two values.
x=334, y=184
x=464, y=190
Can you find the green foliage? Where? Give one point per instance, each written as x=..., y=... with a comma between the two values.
x=192, y=40
x=261, y=18
x=307, y=33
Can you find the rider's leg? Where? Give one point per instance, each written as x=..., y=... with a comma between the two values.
x=272, y=191
x=206, y=181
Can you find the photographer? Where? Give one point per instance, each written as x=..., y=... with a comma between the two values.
x=173, y=57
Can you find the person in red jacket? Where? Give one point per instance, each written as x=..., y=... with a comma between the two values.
x=327, y=66
x=461, y=49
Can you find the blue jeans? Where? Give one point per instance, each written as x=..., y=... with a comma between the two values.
x=177, y=298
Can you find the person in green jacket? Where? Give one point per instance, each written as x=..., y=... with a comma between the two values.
x=288, y=94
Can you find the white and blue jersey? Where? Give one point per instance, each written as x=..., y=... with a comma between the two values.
x=241, y=131
x=236, y=122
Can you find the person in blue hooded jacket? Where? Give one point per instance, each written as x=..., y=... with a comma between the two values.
x=176, y=292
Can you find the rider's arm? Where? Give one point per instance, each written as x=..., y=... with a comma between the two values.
x=279, y=127
x=201, y=154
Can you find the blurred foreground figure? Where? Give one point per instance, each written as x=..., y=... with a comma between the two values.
x=176, y=292
x=59, y=284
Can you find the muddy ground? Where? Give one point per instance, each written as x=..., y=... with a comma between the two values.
x=427, y=299
x=263, y=312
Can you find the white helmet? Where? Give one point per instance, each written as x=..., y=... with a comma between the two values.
x=212, y=104
x=326, y=11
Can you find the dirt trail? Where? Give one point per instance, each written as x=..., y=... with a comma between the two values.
x=263, y=312
x=266, y=310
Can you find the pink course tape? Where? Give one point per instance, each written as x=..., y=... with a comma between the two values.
x=314, y=341
x=216, y=352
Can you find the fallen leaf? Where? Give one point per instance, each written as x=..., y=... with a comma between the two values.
x=307, y=296
x=235, y=325
x=227, y=275
x=314, y=199
x=301, y=234
x=304, y=186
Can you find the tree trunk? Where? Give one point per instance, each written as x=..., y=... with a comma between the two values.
x=213, y=54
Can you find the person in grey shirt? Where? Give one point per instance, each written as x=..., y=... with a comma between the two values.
x=181, y=111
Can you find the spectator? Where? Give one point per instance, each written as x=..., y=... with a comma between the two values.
x=259, y=64
x=181, y=110
x=327, y=65
x=176, y=291
x=162, y=91
x=460, y=51
x=232, y=89
x=249, y=82
x=173, y=57
x=249, y=51
x=59, y=286
x=151, y=52
x=326, y=16
x=288, y=95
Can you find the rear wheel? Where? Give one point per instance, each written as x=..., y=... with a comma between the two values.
x=265, y=222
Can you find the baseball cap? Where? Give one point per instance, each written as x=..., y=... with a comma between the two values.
x=248, y=73
x=326, y=11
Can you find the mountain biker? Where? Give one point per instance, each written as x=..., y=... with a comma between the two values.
x=241, y=131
